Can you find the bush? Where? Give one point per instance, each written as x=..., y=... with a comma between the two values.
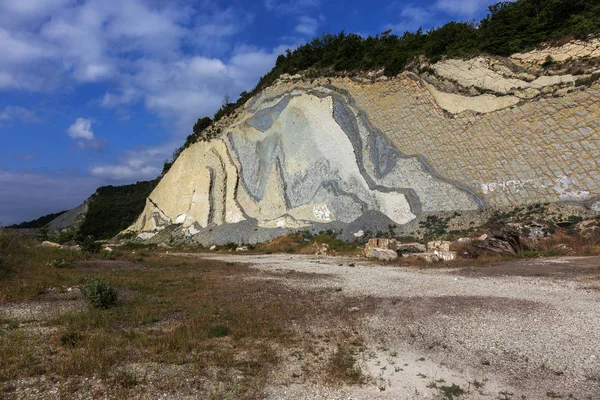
x=5, y=270
x=99, y=293
x=70, y=339
x=89, y=244
x=214, y=331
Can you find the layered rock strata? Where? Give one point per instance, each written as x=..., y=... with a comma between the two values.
x=463, y=135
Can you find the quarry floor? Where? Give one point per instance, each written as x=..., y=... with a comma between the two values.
x=524, y=329
x=343, y=328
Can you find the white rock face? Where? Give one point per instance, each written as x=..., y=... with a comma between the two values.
x=456, y=103
x=292, y=160
x=572, y=50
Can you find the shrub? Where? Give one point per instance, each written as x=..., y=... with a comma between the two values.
x=70, y=339
x=214, y=331
x=89, y=244
x=99, y=293
x=343, y=365
x=5, y=270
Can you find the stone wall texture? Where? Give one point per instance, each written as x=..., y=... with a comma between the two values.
x=329, y=150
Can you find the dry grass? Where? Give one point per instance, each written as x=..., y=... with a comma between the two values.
x=219, y=328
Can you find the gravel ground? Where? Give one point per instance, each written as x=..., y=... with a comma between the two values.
x=501, y=336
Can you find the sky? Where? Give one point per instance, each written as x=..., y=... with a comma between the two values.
x=100, y=92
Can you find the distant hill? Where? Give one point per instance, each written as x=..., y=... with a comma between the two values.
x=37, y=223
x=113, y=208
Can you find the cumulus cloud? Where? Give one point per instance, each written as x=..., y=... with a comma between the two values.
x=413, y=18
x=10, y=113
x=307, y=26
x=134, y=165
x=172, y=58
x=81, y=129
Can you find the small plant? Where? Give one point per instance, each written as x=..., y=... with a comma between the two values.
x=59, y=263
x=478, y=385
x=343, y=365
x=70, y=339
x=572, y=222
x=215, y=331
x=435, y=227
x=451, y=392
x=548, y=62
x=126, y=379
x=99, y=293
x=107, y=255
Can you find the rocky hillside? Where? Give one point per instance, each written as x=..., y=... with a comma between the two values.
x=371, y=151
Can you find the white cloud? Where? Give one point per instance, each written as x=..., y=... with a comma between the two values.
x=22, y=114
x=464, y=8
x=174, y=59
x=134, y=165
x=81, y=129
x=416, y=14
x=188, y=88
x=307, y=26
x=124, y=172
x=413, y=18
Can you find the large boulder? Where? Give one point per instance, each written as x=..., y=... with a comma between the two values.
x=383, y=254
x=414, y=247
x=439, y=245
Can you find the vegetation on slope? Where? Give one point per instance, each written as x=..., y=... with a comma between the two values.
x=37, y=223
x=509, y=27
x=114, y=208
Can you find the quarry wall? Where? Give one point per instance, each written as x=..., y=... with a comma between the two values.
x=454, y=136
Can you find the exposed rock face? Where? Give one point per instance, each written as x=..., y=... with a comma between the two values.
x=329, y=152
x=70, y=220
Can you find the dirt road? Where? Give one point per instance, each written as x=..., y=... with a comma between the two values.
x=527, y=329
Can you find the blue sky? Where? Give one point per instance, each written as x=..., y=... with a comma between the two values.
x=96, y=92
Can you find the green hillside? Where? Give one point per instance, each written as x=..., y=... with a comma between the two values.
x=114, y=208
